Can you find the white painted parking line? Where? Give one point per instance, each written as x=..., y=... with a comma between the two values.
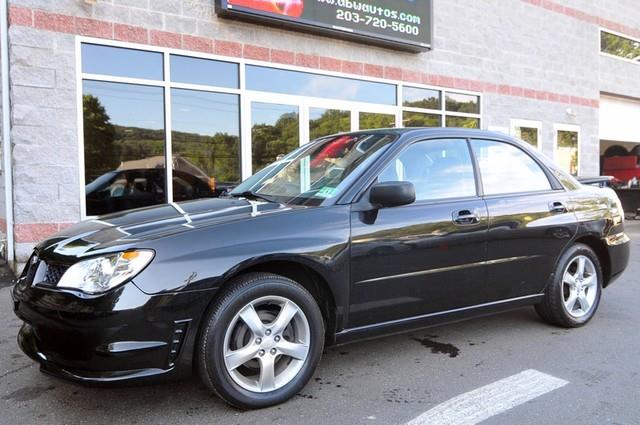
x=484, y=402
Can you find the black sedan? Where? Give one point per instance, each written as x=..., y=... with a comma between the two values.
x=348, y=237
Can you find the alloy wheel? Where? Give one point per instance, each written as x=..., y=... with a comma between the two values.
x=266, y=344
x=579, y=286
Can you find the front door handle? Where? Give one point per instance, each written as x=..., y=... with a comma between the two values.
x=557, y=207
x=465, y=218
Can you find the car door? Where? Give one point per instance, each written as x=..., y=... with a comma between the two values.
x=427, y=256
x=529, y=223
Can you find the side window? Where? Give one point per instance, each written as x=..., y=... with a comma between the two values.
x=439, y=169
x=507, y=169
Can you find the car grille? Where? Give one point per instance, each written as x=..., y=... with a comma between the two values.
x=54, y=273
x=50, y=274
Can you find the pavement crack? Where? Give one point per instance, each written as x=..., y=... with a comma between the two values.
x=16, y=370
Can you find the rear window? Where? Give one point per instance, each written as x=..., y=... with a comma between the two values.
x=507, y=169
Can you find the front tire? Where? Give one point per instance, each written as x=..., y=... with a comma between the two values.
x=572, y=298
x=262, y=339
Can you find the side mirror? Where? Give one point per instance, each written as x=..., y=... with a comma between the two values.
x=392, y=194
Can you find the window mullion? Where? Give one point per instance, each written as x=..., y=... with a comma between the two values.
x=443, y=114
x=246, y=168
x=399, y=102
x=167, y=130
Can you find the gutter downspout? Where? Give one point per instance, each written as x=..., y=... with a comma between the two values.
x=7, y=166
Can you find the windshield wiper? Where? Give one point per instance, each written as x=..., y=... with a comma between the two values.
x=252, y=195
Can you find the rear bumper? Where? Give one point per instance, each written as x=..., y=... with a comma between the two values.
x=619, y=250
x=119, y=337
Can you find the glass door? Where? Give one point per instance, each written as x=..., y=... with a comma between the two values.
x=275, y=131
x=325, y=121
x=276, y=124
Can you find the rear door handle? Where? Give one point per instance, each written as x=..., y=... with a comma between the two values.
x=557, y=207
x=465, y=217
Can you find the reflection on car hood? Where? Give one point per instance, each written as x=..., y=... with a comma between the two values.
x=128, y=228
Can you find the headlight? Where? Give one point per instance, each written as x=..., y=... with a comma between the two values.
x=100, y=274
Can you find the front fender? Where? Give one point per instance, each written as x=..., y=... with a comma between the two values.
x=204, y=258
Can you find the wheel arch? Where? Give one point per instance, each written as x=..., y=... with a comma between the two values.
x=302, y=271
x=600, y=248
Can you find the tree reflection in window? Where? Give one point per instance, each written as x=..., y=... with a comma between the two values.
x=421, y=98
x=463, y=122
x=205, y=141
x=372, y=120
x=620, y=46
x=124, y=140
x=458, y=102
x=528, y=134
x=122, y=122
x=419, y=119
x=324, y=122
x=275, y=131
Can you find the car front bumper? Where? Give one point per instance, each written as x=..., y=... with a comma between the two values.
x=124, y=335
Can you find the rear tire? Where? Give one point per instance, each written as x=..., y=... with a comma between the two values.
x=262, y=339
x=573, y=296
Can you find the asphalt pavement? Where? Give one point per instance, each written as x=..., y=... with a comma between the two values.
x=389, y=380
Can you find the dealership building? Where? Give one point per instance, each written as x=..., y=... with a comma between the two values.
x=180, y=99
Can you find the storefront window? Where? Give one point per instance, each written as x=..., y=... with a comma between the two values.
x=204, y=72
x=421, y=98
x=458, y=102
x=567, y=151
x=315, y=85
x=119, y=62
x=371, y=120
x=464, y=122
x=324, y=122
x=128, y=96
x=419, y=119
x=124, y=140
x=275, y=131
x=205, y=142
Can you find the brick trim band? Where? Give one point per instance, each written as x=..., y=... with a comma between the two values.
x=36, y=232
x=34, y=18
x=585, y=17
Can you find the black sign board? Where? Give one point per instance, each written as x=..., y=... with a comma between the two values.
x=404, y=24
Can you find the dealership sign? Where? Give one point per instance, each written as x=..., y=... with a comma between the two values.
x=402, y=24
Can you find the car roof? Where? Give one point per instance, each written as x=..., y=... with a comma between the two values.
x=438, y=132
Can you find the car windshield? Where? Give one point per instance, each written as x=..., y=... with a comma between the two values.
x=317, y=171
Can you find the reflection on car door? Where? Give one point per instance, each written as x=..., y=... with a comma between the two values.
x=529, y=223
x=427, y=256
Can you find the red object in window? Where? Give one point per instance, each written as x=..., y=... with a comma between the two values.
x=335, y=149
x=293, y=8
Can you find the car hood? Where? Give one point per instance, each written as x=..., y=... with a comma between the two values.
x=128, y=229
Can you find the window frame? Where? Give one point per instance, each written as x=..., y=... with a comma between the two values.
x=619, y=34
x=571, y=128
x=554, y=184
x=401, y=149
x=515, y=123
x=246, y=97
x=355, y=194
